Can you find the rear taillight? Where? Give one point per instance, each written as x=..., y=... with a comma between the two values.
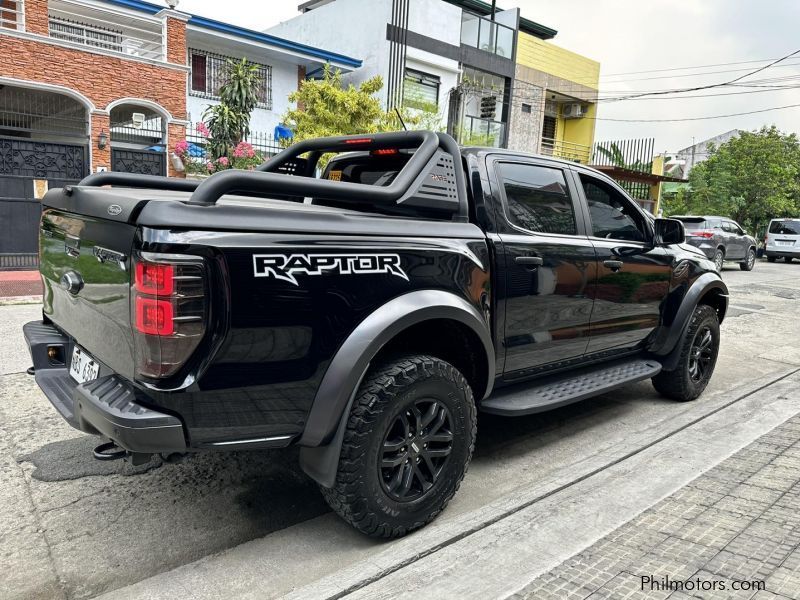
x=168, y=310
x=701, y=233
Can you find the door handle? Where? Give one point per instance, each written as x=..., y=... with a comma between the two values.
x=614, y=265
x=530, y=261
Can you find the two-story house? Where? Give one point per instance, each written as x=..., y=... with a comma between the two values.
x=88, y=85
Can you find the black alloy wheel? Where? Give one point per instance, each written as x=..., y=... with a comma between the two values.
x=701, y=354
x=416, y=449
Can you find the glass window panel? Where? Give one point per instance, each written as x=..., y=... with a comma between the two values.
x=537, y=198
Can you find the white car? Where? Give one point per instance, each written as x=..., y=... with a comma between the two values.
x=783, y=240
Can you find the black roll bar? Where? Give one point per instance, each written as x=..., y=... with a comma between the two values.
x=134, y=180
x=265, y=178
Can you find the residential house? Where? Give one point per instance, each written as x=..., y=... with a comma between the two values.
x=451, y=56
x=88, y=85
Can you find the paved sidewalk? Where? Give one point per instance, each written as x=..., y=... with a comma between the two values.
x=737, y=525
x=20, y=283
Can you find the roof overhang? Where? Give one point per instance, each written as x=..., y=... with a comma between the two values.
x=622, y=174
x=237, y=37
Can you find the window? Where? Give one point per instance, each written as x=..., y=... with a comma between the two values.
x=526, y=108
x=209, y=72
x=788, y=227
x=613, y=216
x=420, y=90
x=537, y=198
x=732, y=227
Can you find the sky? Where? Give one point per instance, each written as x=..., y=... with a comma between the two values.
x=636, y=41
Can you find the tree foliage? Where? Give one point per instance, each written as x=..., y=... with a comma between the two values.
x=751, y=178
x=229, y=121
x=326, y=107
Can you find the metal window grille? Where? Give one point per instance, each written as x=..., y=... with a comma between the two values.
x=12, y=14
x=420, y=90
x=98, y=37
x=210, y=72
x=26, y=111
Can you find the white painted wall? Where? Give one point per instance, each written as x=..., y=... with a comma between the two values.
x=346, y=27
x=284, y=82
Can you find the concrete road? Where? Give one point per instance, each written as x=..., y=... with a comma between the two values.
x=251, y=524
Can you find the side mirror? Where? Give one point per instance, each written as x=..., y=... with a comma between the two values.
x=668, y=232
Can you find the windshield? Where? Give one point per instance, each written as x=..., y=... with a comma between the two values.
x=788, y=227
x=692, y=222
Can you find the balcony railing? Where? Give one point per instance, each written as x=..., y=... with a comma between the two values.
x=487, y=35
x=568, y=150
x=12, y=14
x=104, y=29
x=482, y=132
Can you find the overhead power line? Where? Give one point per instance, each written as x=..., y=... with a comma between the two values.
x=726, y=64
x=739, y=114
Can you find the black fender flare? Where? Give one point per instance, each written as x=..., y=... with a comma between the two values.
x=668, y=348
x=324, y=430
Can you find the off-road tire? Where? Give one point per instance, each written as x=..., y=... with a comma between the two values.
x=679, y=384
x=359, y=494
x=772, y=258
x=719, y=259
x=749, y=260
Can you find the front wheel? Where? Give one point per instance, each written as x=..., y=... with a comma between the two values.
x=406, y=448
x=698, y=358
x=749, y=261
x=719, y=259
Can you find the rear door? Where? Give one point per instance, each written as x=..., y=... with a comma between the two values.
x=737, y=244
x=631, y=277
x=547, y=264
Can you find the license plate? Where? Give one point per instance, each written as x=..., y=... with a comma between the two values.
x=785, y=243
x=82, y=367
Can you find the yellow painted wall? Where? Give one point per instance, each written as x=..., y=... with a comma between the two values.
x=549, y=58
x=580, y=131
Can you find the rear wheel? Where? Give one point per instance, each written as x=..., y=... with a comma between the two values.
x=408, y=442
x=699, y=350
x=749, y=261
x=719, y=259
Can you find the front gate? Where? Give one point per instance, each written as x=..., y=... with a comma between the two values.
x=24, y=166
x=145, y=162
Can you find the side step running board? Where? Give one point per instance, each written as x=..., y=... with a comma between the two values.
x=565, y=388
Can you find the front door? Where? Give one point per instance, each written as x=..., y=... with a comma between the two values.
x=547, y=266
x=631, y=276
x=734, y=237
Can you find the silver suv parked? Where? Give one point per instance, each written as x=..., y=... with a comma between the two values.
x=721, y=239
x=783, y=240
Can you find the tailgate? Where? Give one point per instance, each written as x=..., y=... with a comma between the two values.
x=85, y=267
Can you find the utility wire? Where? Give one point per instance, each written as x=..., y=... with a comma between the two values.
x=739, y=114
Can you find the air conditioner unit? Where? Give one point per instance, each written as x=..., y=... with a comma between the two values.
x=137, y=120
x=573, y=111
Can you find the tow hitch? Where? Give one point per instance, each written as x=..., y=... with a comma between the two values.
x=110, y=451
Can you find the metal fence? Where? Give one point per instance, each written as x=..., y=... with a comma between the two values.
x=263, y=142
x=12, y=14
x=210, y=71
x=579, y=153
x=633, y=155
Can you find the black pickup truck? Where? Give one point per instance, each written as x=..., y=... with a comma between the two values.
x=364, y=312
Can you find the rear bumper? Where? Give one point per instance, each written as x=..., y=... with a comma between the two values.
x=107, y=406
x=782, y=251
x=708, y=247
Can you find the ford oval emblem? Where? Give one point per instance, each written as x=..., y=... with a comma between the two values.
x=114, y=210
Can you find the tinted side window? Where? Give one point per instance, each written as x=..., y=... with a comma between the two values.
x=613, y=215
x=537, y=198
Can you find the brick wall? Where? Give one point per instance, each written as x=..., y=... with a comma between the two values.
x=176, y=41
x=101, y=78
x=36, y=20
